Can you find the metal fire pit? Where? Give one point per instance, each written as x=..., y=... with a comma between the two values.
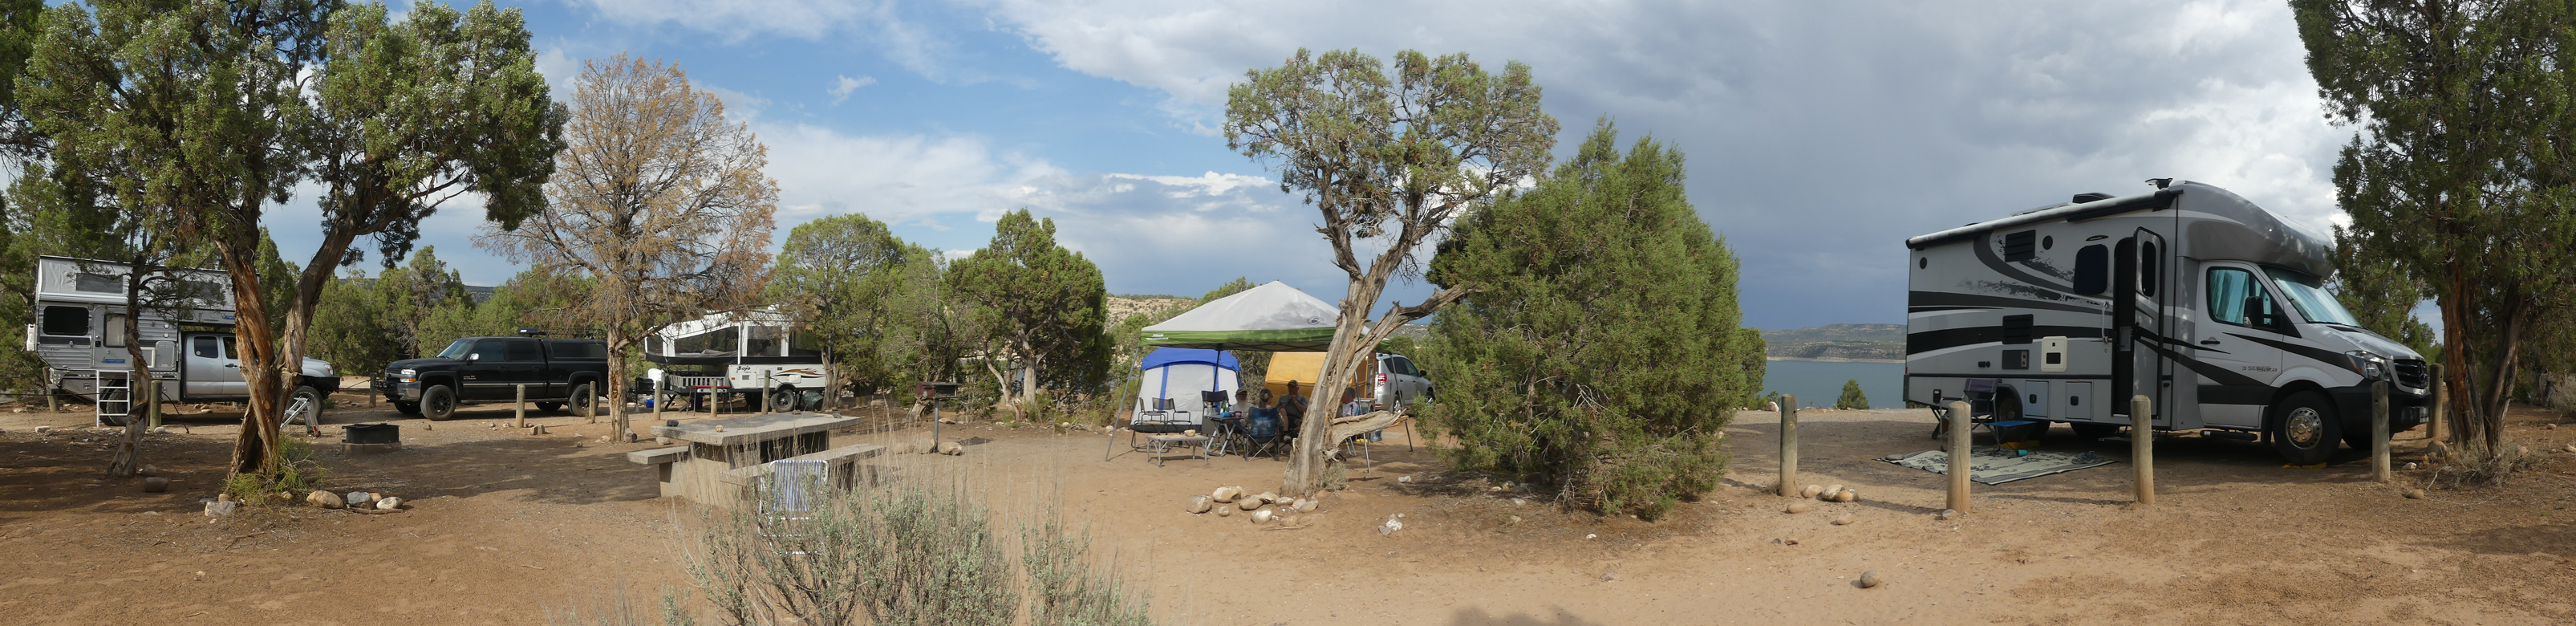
x=370, y=438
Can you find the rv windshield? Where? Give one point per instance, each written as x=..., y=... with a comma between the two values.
x=457, y=350
x=2310, y=298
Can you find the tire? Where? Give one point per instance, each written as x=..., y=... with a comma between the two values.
x=408, y=408
x=438, y=403
x=581, y=399
x=2305, y=428
x=785, y=399
x=305, y=404
x=2089, y=431
x=549, y=407
x=110, y=420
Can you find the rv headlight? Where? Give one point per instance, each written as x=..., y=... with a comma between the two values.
x=2371, y=366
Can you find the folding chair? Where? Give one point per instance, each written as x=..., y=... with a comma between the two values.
x=1261, y=433
x=1162, y=419
x=786, y=497
x=1981, y=414
x=1220, y=432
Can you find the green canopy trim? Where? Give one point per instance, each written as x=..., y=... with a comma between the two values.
x=1283, y=340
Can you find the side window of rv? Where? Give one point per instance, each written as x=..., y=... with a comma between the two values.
x=67, y=321
x=2148, y=260
x=2092, y=270
x=95, y=283
x=202, y=347
x=2229, y=290
x=115, y=331
x=804, y=344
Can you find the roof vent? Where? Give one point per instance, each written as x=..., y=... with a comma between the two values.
x=2090, y=197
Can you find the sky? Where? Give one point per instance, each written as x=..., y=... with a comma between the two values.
x=1819, y=135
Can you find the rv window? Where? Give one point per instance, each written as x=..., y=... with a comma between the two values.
x=2147, y=268
x=652, y=345
x=95, y=283
x=2229, y=290
x=207, y=291
x=804, y=344
x=2092, y=270
x=2021, y=246
x=764, y=341
x=115, y=331
x=718, y=342
x=203, y=347
x=67, y=321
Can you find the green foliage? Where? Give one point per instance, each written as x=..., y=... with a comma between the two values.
x=1852, y=397
x=1038, y=303
x=361, y=324
x=536, y=298
x=2458, y=177
x=843, y=278
x=2380, y=295
x=1600, y=347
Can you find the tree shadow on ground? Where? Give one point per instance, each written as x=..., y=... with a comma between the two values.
x=2553, y=539
x=1478, y=617
x=552, y=470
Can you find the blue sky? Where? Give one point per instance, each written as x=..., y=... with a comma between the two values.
x=1819, y=135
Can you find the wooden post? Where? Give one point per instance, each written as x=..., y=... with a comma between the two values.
x=765, y=382
x=2441, y=404
x=590, y=409
x=658, y=400
x=2379, y=432
x=1788, y=445
x=1958, y=431
x=519, y=412
x=152, y=407
x=2142, y=446
x=371, y=395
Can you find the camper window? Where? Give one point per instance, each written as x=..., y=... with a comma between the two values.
x=2231, y=290
x=2092, y=270
x=764, y=341
x=718, y=342
x=115, y=331
x=804, y=344
x=2147, y=261
x=67, y=321
x=95, y=283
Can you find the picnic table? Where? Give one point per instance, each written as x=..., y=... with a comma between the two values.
x=725, y=458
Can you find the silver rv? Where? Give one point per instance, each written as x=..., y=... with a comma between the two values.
x=2190, y=295
x=80, y=335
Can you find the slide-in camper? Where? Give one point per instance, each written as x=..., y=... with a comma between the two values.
x=2210, y=306
x=80, y=335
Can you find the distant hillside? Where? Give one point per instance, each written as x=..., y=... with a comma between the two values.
x=1121, y=306
x=1838, y=342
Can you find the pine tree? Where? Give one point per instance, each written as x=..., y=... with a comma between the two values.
x=1852, y=397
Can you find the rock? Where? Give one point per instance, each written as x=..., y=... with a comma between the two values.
x=1831, y=492
x=1225, y=511
x=223, y=497
x=1391, y=525
x=1267, y=497
x=906, y=448
x=148, y=471
x=1773, y=407
x=156, y=484
x=1304, y=505
x=389, y=504
x=1227, y=494
x=2410, y=466
x=1870, y=579
x=2437, y=451
x=1811, y=491
x=1796, y=507
x=1511, y=520
x=361, y=498
x=1404, y=479
x=1519, y=502
x=1262, y=516
x=1248, y=502
x=1198, y=504
x=1945, y=515
x=1609, y=576
x=2571, y=447
x=159, y=430
x=324, y=499
x=1845, y=520
x=952, y=449
x=44, y=429
x=1847, y=496
x=221, y=508
x=2414, y=494
x=1591, y=536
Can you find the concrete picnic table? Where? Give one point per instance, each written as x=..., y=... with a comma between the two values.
x=724, y=458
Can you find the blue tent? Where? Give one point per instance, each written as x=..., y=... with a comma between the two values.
x=1179, y=374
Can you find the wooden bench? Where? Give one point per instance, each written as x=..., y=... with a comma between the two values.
x=843, y=460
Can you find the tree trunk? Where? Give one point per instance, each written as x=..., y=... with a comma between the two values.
x=614, y=383
x=255, y=449
x=129, y=449
x=308, y=294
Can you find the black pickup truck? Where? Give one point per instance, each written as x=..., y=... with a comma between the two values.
x=489, y=369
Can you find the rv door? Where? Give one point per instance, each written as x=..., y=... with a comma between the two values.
x=2140, y=280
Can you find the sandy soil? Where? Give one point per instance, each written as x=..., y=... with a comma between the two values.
x=505, y=526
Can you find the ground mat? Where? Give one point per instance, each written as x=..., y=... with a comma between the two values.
x=1995, y=466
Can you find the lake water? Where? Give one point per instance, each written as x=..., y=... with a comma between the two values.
x=1819, y=383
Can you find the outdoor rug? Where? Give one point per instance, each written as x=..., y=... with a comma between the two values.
x=1995, y=466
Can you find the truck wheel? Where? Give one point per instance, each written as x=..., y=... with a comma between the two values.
x=549, y=407
x=438, y=403
x=2305, y=428
x=581, y=399
x=784, y=399
x=408, y=408
x=305, y=405
x=2089, y=431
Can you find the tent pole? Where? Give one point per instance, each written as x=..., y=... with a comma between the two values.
x=1112, y=448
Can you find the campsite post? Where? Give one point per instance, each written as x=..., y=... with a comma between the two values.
x=519, y=411
x=1788, y=444
x=658, y=400
x=2433, y=428
x=764, y=392
x=2379, y=432
x=2142, y=446
x=1958, y=431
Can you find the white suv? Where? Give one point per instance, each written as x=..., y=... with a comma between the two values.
x=1398, y=384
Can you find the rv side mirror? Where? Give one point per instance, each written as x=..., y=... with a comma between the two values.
x=2257, y=313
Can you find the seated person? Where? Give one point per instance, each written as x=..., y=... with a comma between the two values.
x=1292, y=410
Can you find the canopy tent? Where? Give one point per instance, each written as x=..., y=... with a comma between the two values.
x=1180, y=374
x=1273, y=317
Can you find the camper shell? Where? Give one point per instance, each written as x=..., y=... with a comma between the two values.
x=732, y=354
x=79, y=334
x=2190, y=295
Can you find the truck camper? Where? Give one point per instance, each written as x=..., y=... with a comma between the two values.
x=80, y=335
x=2210, y=306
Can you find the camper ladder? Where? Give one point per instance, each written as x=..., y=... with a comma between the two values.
x=115, y=395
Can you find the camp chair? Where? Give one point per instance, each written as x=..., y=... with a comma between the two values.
x=1980, y=394
x=1162, y=419
x=1261, y=433
x=1220, y=432
x=786, y=498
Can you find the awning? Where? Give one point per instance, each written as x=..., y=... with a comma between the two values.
x=1273, y=317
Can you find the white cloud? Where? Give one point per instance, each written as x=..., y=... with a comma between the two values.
x=906, y=42
x=841, y=88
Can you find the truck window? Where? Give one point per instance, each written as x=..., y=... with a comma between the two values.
x=457, y=350
x=492, y=350
x=525, y=351
x=2092, y=270
x=2228, y=289
x=115, y=331
x=203, y=347
x=66, y=321
x=229, y=354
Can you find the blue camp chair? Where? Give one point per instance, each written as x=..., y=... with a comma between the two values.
x=1261, y=433
x=2006, y=426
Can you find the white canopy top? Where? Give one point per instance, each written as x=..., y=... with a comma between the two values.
x=1273, y=317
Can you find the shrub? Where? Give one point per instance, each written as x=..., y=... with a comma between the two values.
x=1852, y=397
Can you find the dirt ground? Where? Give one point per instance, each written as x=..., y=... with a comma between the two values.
x=505, y=526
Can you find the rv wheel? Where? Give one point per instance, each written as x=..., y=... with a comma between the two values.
x=438, y=403
x=2305, y=429
x=784, y=399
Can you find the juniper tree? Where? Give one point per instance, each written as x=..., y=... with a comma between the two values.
x=1852, y=396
